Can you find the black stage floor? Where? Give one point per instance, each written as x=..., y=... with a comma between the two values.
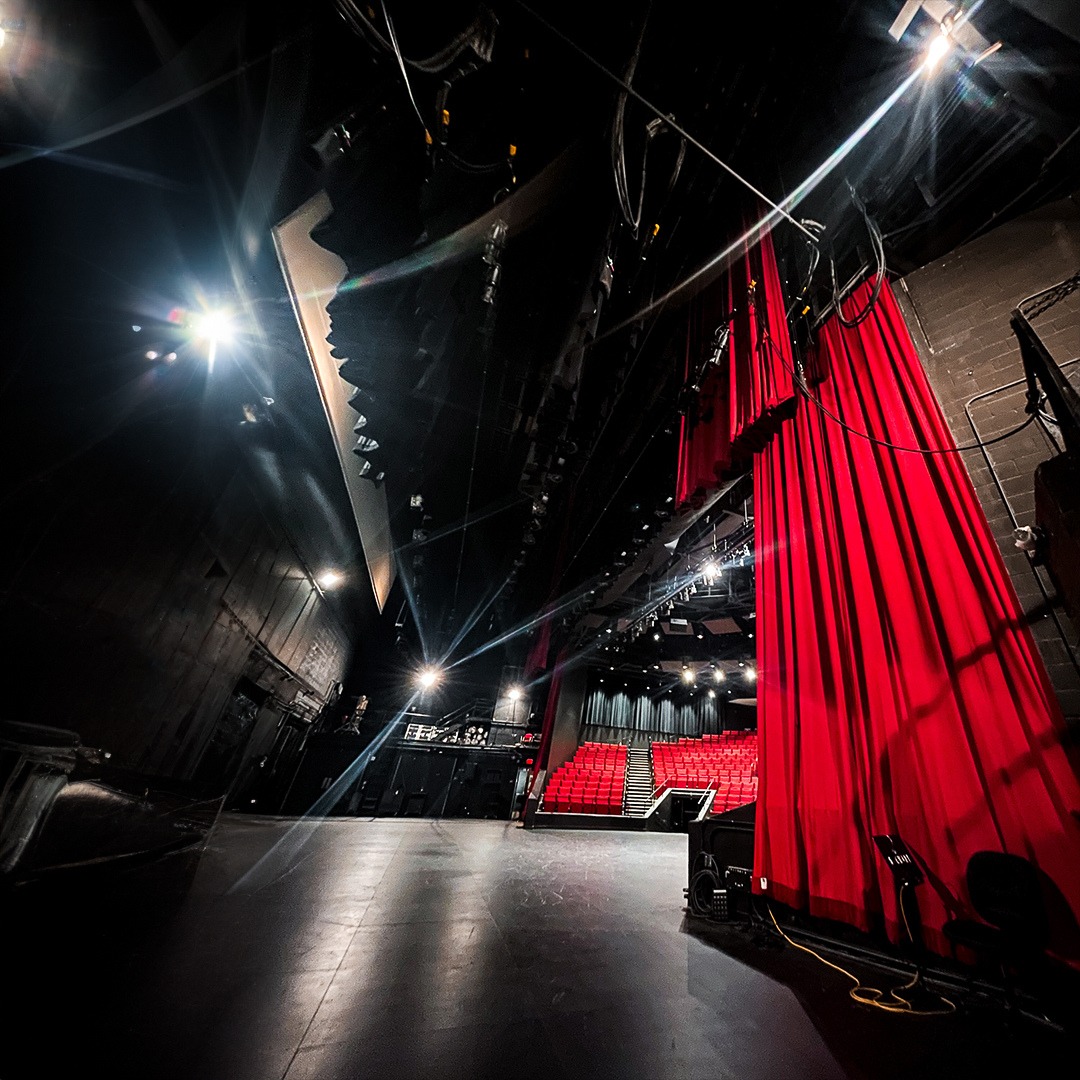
x=399, y=949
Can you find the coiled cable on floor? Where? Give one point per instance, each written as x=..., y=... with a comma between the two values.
x=869, y=995
x=708, y=877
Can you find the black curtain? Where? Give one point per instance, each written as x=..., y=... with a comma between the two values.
x=664, y=716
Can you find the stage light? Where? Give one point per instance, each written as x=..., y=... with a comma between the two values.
x=712, y=693
x=151, y=355
x=939, y=47
x=688, y=676
x=710, y=571
x=428, y=678
x=656, y=637
x=985, y=53
x=750, y=674
x=215, y=327
x=514, y=693
x=718, y=676
x=330, y=579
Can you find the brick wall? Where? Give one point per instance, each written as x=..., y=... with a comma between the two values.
x=958, y=311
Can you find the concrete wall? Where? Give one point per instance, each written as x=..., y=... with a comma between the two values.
x=958, y=311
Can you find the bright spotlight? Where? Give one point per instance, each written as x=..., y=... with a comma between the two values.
x=710, y=571
x=428, y=678
x=330, y=579
x=712, y=693
x=938, y=49
x=514, y=693
x=750, y=674
x=688, y=676
x=718, y=676
x=215, y=326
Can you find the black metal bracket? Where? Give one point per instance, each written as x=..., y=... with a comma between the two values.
x=1044, y=376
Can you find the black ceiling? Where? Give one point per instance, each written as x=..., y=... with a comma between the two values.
x=550, y=407
x=500, y=322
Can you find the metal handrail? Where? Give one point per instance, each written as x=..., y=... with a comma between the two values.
x=470, y=710
x=1040, y=367
x=714, y=786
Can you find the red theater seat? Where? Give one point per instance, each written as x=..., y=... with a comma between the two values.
x=591, y=782
x=726, y=762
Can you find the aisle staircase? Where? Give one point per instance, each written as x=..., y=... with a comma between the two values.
x=638, y=790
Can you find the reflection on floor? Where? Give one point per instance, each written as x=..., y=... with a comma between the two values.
x=402, y=949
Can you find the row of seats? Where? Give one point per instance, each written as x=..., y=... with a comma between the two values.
x=726, y=762
x=591, y=782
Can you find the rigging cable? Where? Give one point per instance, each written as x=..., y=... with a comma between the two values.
x=404, y=73
x=618, y=141
x=430, y=65
x=666, y=118
x=361, y=24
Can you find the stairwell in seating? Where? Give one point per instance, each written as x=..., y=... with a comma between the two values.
x=725, y=763
x=638, y=791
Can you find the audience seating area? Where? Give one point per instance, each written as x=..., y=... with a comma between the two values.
x=591, y=782
x=727, y=761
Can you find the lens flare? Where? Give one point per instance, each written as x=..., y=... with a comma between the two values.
x=215, y=326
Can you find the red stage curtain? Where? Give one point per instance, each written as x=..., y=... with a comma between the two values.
x=899, y=690
x=742, y=399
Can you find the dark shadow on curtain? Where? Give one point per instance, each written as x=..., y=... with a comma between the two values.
x=899, y=689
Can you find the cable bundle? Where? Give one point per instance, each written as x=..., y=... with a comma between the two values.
x=878, y=242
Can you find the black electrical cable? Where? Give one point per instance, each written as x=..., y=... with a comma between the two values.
x=470, y=166
x=708, y=871
x=879, y=254
x=667, y=118
x=676, y=170
x=815, y=258
x=360, y=24
x=392, y=46
x=1008, y=506
x=1042, y=419
x=927, y=451
x=618, y=141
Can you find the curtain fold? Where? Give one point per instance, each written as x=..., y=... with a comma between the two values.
x=642, y=712
x=743, y=397
x=899, y=688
